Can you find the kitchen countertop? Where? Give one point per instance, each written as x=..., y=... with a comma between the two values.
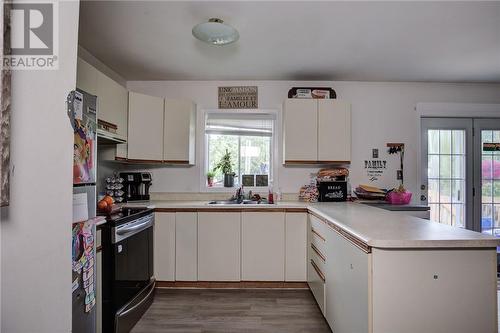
x=397, y=208
x=375, y=227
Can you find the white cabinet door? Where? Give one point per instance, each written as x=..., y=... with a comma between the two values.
x=295, y=246
x=145, y=127
x=86, y=77
x=186, y=253
x=334, y=130
x=263, y=246
x=164, y=246
x=434, y=290
x=179, y=131
x=347, y=282
x=113, y=103
x=219, y=246
x=300, y=130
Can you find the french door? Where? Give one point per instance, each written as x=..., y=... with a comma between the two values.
x=487, y=176
x=447, y=170
x=461, y=172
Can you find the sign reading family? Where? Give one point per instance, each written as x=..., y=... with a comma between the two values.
x=244, y=97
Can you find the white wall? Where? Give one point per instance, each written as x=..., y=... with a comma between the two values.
x=381, y=112
x=36, y=228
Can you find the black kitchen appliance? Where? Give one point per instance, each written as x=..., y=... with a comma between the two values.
x=136, y=185
x=127, y=268
x=332, y=191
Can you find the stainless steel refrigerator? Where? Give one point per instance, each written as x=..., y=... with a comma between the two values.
x=82, y=109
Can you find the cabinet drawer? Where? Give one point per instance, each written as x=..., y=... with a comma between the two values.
x=318, y=242
x=319, y=226
x=316, y=284
x=318, y=258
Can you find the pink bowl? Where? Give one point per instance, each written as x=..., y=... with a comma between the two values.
x=395, y=198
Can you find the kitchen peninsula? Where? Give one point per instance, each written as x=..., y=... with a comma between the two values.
x=370, y=270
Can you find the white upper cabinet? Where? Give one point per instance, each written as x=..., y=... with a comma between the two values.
x=316, y=131
x=300, y=128
x=86, y=77
x=145, y=127
x=113, y=103
x=334, y=131
x=179, y=131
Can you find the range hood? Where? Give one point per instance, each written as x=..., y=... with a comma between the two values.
x=106, y=137
x=106, y=133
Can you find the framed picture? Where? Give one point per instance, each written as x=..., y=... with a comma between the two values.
x=261, y=180
x=5, y=107
x=248, y=180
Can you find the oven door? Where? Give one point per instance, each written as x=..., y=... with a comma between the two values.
x=133, y=272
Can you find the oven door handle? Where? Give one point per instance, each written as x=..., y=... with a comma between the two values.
x=133, y=228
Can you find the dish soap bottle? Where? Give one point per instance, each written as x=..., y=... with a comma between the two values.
x=270, y=198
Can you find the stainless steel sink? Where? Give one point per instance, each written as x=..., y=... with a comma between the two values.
x=223, y=202
x=235, y=202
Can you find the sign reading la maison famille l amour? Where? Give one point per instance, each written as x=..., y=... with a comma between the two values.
x=244, y=97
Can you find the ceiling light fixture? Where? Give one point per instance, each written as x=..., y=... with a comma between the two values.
x=215, y=32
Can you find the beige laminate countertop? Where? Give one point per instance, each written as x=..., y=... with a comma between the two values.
x=375, y=227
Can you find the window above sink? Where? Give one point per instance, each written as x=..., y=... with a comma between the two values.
x=249, y=137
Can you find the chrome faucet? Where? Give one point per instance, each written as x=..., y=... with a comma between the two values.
x=240, y=194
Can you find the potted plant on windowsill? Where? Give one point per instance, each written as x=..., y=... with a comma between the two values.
x=210, y=178
x=226, y=167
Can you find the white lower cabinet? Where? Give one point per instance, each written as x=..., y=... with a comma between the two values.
x=316, y=282
x=295, y=247
x=164, y=246
x=231, y=246
x=456, y=290
x=347, y=271
x=219, y=246
x=263, y=246
x=316, y=260
x=186, y=244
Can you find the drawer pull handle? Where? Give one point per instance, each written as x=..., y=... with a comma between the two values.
x=317, y=234
x=321, y=255
x=318, y=271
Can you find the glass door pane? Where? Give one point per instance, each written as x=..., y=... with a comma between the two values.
x=490, y=181
x=446, y=170
x=446, y=175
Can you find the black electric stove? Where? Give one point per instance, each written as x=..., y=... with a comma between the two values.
x=127, y=270
x=127, y=214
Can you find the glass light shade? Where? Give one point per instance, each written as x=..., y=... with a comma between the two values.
x=216, y=32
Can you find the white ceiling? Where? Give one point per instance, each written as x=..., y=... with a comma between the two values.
x=298, y=40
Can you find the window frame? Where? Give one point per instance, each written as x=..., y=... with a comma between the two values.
x=273, y=149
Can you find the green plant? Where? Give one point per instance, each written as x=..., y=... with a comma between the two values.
x=210, y=174
x=225, y=165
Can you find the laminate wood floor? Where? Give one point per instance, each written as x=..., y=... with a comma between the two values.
x=235, y=311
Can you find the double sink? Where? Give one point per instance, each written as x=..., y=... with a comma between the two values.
x=237, y=202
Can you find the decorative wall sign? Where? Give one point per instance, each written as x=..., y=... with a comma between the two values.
x=244, y=97
x=5, y=108
x=375, y=169
x=490, y=146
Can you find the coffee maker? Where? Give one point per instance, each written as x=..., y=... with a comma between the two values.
x=136, y=185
